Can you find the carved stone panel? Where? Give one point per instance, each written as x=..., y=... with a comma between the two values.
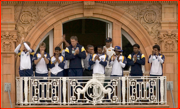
x=168, y=40
x=149, y=16
x=28, y=16
x=7, y=40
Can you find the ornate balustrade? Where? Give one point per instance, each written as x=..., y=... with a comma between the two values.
x=88, y=90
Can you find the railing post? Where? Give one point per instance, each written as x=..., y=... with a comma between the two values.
x=21, y=90
x=26, y=89
x=18, y=90
x=162, y=89
x=123, y=89
x=64, y=90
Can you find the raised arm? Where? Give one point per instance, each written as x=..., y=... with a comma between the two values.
x=64, y=40
x=19, y=46
x=17, y=49
x=27, y=47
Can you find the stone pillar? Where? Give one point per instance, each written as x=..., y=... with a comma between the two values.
x=8, y=39
x=57, y=34
x=168, y=40
x=116, y=38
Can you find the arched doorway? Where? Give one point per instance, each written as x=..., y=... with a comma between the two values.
x=119, y=19
x=91, y=31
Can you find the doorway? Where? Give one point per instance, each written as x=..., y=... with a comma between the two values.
x=89, y=31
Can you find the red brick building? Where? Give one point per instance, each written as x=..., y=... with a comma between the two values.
x=127, y=22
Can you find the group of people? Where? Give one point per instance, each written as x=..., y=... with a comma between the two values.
x=74, y=60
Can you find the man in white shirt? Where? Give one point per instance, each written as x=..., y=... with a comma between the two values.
x=108, y=50
x=26, y=56
x=156, y=60
x=57, y=69
x=118, y=62
x=57, y=63
x=99, y=62
x=41, y=60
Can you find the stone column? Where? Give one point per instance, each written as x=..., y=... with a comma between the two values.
x=8, y=39
x=168, y=40
x=57, y=33
x=116, y=38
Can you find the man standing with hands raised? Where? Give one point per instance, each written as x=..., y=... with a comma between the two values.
x=26, y=55
x=156, y=59
x=41, y=59
x=136, y=60
x=118, y=62
x=75, y=53
x=109, y=51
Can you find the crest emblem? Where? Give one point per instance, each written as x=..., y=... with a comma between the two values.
x=102, y=59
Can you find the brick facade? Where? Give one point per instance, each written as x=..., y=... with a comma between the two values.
x=146, y=22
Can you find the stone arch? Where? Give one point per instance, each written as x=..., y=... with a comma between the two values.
x=102, y=11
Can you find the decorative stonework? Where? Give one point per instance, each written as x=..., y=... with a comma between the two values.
x=37, y=3
x=26, y=17
x=7, y=40
x=29, y=17
x=148, y=15
x=88, y=8
x=89, y=4
x=168, y=40
x=57, y=3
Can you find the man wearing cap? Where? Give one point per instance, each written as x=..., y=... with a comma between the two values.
x=118, y=62
x=108, y=49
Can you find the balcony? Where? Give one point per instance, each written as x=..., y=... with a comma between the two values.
x=127, y=91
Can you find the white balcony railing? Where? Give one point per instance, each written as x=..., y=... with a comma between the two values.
x=88, y=90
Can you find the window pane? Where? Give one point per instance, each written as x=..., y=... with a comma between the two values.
x=127, y=48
